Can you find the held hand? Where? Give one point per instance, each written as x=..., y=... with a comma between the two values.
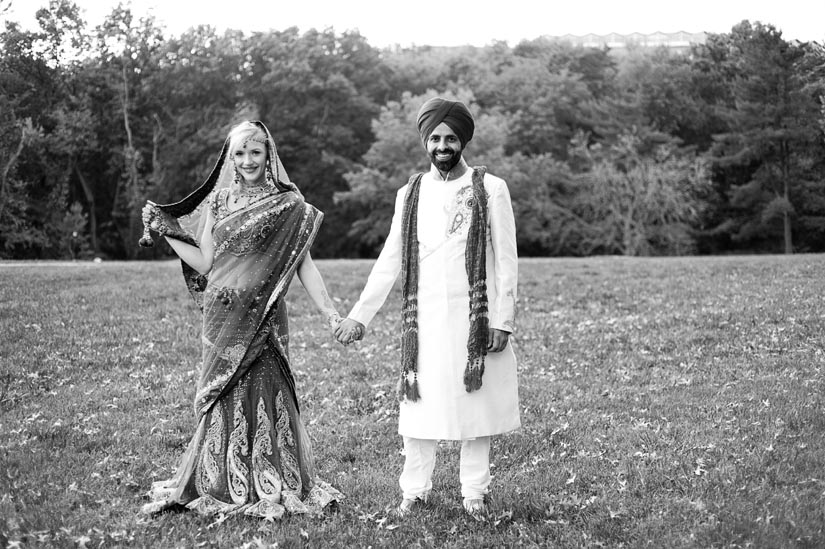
x=163, y=223
x=147, y=216
x=349, y=330
x=149, y=209
x=497, y=340
x=152, y=214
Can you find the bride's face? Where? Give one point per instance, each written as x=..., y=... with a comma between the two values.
x=250, y=161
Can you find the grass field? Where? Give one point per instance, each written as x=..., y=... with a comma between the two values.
x=665, y=403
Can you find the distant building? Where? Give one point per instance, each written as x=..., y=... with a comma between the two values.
x=680, y=41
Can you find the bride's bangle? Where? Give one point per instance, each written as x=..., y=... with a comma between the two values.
x=334, y=319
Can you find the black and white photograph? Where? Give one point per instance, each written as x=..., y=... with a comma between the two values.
x=374, y=274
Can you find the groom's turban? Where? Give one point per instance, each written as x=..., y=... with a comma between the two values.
x=453, y=113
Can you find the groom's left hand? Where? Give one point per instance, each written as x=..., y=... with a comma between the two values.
x=497, y=340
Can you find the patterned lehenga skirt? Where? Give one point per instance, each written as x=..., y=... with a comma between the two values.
x=251, y=454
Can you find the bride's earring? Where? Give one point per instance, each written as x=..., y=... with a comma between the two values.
x=270, y=179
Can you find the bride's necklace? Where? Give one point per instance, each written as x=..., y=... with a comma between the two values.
x=249, y=192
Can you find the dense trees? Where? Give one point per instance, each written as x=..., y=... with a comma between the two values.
x=643, y=151
x=773, y=140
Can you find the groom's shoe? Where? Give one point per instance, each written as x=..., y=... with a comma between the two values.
x=476, y=507
x=409, y=505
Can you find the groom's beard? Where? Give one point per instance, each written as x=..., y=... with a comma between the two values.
x=448, y=164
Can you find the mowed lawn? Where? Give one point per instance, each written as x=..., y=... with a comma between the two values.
x=668, y=402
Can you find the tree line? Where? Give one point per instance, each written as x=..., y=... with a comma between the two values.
x=642, y=151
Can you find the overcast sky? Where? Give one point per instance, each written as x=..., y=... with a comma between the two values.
x=458, y=22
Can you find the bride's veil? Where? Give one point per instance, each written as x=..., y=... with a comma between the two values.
x=191, y=210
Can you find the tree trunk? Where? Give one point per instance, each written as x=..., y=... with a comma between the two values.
x=786, y=220
x=157, y=167
x=132, y=227
x=4, y=173
x=90, y=199
x=786, y=215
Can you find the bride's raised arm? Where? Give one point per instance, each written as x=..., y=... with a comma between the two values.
x=199, y=258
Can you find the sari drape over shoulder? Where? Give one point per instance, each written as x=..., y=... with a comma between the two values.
x=250, y=453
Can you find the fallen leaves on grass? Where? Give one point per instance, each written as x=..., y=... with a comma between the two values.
x=665, y=399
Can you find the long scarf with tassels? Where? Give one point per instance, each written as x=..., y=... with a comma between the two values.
x=475, y=265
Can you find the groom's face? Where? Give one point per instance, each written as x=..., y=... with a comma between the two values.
x=444, y=148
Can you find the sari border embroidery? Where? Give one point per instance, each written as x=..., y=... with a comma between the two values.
x=311, y=231
x=268, y=483
x=208, y=468
x=238, y=449
x=286, y=446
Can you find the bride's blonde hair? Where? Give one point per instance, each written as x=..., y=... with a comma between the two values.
x=243, y=132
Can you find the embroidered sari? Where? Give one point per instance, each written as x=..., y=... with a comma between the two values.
x=250, y=452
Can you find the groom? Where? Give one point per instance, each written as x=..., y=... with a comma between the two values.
x=453, y=240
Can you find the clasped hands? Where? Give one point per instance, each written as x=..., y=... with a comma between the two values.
x=349, y=330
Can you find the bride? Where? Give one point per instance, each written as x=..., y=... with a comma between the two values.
x=242, y=236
